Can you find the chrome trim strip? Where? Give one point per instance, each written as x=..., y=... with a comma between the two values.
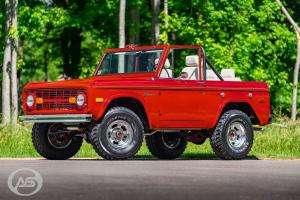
x=57, y=118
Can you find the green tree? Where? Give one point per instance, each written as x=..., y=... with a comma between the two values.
x=248, y=36
x=297, y=64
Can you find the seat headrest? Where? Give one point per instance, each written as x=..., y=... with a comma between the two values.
x=192, y=61
x=167, y=63
x=227, y=73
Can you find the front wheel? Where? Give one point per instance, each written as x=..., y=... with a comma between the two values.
x=119, y=135
x=166, y=145
x=53, y=142
x=232, y=138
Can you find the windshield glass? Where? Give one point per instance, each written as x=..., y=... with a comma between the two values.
x=130, y=62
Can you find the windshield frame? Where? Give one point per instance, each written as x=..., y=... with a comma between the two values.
x=132, y=49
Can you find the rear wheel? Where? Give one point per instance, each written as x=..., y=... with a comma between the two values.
x=53, y=142
x=233, y=136
x=119, y=135
x=166, y=145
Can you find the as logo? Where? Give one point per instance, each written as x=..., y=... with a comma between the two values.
x=25, y=182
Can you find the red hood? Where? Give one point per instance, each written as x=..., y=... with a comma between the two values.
x=85, y=83
x=75, y=83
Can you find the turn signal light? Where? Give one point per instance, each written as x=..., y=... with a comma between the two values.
x=39, y=100
x=99, y=100
x=72, y=99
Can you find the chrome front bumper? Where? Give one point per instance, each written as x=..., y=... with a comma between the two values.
x=64, y=118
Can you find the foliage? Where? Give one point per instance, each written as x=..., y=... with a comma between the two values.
x=252, y=36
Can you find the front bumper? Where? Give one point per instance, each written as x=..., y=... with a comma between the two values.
x=64, y=118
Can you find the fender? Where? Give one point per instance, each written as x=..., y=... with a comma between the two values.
x=101, y=112
x=223, y=106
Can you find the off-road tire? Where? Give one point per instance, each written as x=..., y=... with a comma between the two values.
x=45, y=149
x=158, y=149
x=99, y=139
x=218, y=139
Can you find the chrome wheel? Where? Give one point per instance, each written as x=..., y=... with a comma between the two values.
x=57, y=137
x=119, y=134
x=170, y=141
x=236, y=136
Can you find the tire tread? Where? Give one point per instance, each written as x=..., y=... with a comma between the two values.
x=152, y=143
x=94, y=138
x=216, y=140
x=46, y=151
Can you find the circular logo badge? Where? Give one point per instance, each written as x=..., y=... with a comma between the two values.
x=25, y=182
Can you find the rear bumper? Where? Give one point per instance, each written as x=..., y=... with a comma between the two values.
x=65, y=118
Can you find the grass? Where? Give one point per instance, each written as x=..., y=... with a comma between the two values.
x=273, y=142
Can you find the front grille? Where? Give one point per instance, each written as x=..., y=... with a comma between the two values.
x=56, y=99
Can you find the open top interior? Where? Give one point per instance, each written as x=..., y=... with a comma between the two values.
x=183, y=64
x=168, y=61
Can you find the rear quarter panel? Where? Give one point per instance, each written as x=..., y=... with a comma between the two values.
x=256, y=94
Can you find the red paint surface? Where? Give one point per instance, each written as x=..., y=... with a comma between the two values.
x=168, y=103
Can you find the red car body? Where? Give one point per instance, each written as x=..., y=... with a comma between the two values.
x=167, y=103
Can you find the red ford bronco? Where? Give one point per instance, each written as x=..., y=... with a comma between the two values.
x=169, y=94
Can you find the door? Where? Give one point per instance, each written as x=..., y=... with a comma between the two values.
x=182, y=97
x=182, y=104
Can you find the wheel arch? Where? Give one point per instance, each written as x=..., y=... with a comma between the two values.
x=132, y=103
x=242, y=106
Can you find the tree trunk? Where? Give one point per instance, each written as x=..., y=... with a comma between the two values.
x=295, y=82
x=122, y=23
x=134, y=32
x=284, y=10
x=71, y=38
x=121, y=61
x=166, y=14
x=296, y=68
x=71, y=50
x=14, y=58
x=6, y=68
x=155, y=21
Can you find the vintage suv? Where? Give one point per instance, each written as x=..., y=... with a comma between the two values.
x=169, y=94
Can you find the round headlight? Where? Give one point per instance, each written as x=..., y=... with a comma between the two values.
x=80, y=100
x=30, y=100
